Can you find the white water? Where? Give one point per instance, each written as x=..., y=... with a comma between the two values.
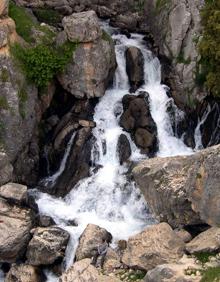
x=108, y=198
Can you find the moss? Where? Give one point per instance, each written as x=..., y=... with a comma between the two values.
x=3, y=103
x=23, y=97
x=204, y=256
x=106, y=36
x=48, y=16
x=181, y=59
x=4, y=75
x=139, y=5
x=211, y=274
x=160, y=4
x=209, y=47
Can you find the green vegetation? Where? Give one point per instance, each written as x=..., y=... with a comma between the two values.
x=25, y=24
x=181, y=60
x=3, y=103
x=4, y=75
x=106, y=36
x=48, y=16
x=139, y=5
x=204, y=257
x=208, y=71
x=160, y=4
x=211, y=274
x=42, y=62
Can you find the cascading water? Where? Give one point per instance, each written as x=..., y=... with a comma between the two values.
x=107, y=198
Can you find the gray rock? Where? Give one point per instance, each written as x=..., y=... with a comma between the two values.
x=184, y=235
x=6, y=169
x=15, y=224
x=205, y=242
x=23, y=273
x=47, y=245
x=182, y=190
x=91, y=69
x=135, y=67
x=123, y=148
x=15, y=193
x=157, y=244
x=82, y=27
x=90, y=239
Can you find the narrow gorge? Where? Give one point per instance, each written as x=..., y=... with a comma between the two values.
x=108, y=134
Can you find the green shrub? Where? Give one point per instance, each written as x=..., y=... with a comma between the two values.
x=3, y=103
x=4, y=75
x=42, y=62
x=209, y=46
x=205, y=256
x=48, y=16
x=211, y=274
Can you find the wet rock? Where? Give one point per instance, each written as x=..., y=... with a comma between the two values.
x=45, y=221
x=112, y=261
x=137, y=120
x=82, y=27
x=90, y=239
x=83, y=271
x=124, y=148
x=47, y=245
x=23, y=273
x=184, y=235
x=6, y=169
x=15, y=226
x=87, y=123
x=4, y=8
x=14, y=193
x=205, y=242
x=128, y=21
x=135, y=67
x=156, y=245
x=188, y=190
x=173, y=272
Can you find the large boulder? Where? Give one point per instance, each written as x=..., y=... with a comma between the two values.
x=123, y=148
x=92, y=236
x=14, y=193
x=6, y=169
x=4, y=8
x=181, y=190
x=82, y=27
x=155, y=245
x=83, y=271
x=206, y=242
x=47, y=245
x=15, y=224
x=137, y=120
x=174, y=272
x=23, y=273
x=135, y=67
x=93, y=63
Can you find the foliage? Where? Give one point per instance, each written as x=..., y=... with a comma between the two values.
x=106, y=36
x=160, y=4
x=211, y=274
x=181, y=60
x=139, y=5
x=42, y=62
x=4, y=75
x=3, y=103
x=48, y=16
x=209, y=47
x=205, y=256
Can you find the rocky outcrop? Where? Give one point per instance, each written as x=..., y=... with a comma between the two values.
x=174, y=272
x=137, y=120
x=4, y=8
x=16, y=224
x=47, y=245
x=176, y=29
x=83, y=271
x=181, y=190
x=90, y=239
x=205, y=242
x=156, y=245
x=6, y=169
x=23, y=273
x=135, y=67
x=14, y=193
x=93, y=63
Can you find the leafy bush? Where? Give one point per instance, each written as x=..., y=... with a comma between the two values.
x=212, y=274
x=209, y=46
x=48, y=16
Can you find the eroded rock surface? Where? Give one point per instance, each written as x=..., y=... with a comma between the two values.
x=23, y=273
x=14, y=192
x=155, y=245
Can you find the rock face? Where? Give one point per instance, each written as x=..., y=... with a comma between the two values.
x=205, y=242
x=82, y=27
x=176, y=31
x=90, y=239
x=93, y=63
x=3, y=8
x=135, y=67
x=16, y=224
x=15, y=193
x=178, y=189
x=47, y=245
x=137, y=120
x=83, y=271
x=6, y=169
x=23, y=273
x=156, y=245
x=173, y=272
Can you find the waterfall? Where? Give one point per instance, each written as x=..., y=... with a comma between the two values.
x=107, y=198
